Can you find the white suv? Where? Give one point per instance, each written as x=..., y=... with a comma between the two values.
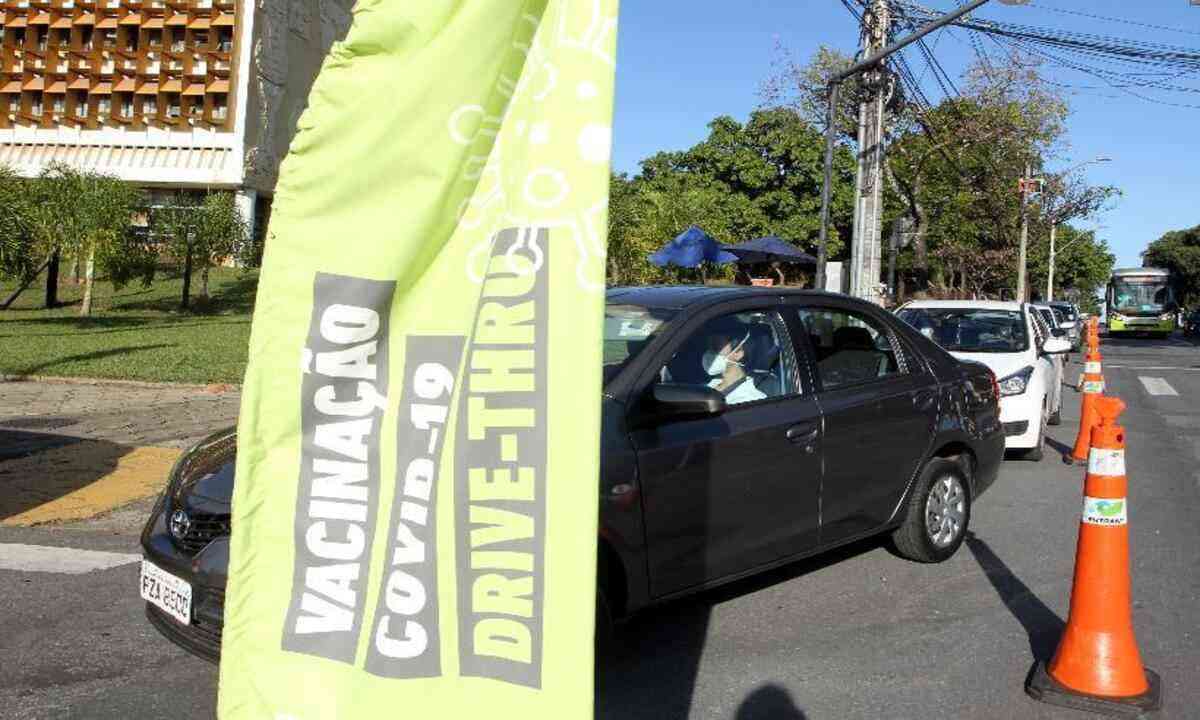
x=1013, y=340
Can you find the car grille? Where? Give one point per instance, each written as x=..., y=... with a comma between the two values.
x=203, y=530
x=1016, y=428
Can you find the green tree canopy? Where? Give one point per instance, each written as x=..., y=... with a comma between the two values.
x=743, y=181
x=1179, y=252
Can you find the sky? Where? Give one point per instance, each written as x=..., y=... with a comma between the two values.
x=683, y=62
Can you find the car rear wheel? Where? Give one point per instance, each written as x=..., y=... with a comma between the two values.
x=938, y=513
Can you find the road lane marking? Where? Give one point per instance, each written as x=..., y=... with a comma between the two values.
x=64, y=561
x=80, y=481
x=1158, y=386
x=1157, y=368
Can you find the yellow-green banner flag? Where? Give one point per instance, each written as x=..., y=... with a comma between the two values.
x=414, y=518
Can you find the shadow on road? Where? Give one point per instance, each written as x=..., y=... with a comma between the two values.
x=1061, y=448
x=1043, y=626
x=651, y=669
x=38, y=468
x=769, y=702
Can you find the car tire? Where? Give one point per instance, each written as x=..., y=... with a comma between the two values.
x=938, y=513
x=1037, y=452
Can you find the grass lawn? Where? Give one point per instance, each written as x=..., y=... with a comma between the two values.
x=136, y=333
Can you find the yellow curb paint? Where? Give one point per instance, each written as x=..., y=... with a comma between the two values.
x=56, y=485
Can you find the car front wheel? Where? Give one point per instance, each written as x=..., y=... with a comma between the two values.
x=938, y=514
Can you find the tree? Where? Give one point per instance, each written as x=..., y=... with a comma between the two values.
x=48, y=210
x=102, y=215
x=1179, y=252
x=745, y=180
x=17, y=258
x=201, y=234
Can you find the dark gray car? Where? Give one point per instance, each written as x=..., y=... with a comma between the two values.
x=743, y=429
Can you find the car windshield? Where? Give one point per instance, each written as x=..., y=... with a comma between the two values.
x=969, y=329
x=628, y=329
x=1067, y=311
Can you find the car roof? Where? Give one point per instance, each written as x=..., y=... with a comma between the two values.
x=1011, y=306
x=678, y=297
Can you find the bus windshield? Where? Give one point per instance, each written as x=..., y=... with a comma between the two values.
x=1135, y=295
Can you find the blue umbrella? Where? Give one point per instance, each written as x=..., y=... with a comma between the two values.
x=692, y=247
x=770, y=249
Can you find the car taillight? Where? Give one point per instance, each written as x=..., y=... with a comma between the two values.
x=995, y=386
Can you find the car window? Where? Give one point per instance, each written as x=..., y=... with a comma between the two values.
x=746, y=356
x=1040, y=331
x=629, y=329
x=970, y=330
x=850, y=348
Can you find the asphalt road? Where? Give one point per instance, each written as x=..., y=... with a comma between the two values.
x=860, y=634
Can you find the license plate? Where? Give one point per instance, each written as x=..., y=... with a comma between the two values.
x=166, y=592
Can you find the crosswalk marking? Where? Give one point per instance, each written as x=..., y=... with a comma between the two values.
x=65, y=561
x=1158, y=386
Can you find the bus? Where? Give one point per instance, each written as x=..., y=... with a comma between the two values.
x=1141, y=300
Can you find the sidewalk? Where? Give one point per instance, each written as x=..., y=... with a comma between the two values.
x=74, y=451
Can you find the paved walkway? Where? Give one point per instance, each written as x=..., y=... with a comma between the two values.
x=74, y=451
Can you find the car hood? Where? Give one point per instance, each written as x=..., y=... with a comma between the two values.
x=1003, y=364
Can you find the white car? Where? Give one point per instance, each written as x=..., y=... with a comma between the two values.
x=1013, y=340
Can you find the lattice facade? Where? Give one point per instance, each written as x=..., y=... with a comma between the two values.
x=133, y=64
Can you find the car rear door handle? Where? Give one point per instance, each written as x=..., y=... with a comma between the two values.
x=803, y=434
x=924, y=400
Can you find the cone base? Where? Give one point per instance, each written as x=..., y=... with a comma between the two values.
x=1040, y=686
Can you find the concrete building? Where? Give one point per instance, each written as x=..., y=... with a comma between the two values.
x=168, y=94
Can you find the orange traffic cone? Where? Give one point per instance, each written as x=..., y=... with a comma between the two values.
x=1092, y=338
x=1093, y=387
x=1097, y=666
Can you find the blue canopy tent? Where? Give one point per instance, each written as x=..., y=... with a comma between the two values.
x=691, y=248
x=770, y=249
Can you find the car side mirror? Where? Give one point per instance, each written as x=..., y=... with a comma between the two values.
x=671, y=401
x=1056, y=346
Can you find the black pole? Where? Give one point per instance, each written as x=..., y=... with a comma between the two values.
x=52, y=281
x=831, y=102
x=835, y=82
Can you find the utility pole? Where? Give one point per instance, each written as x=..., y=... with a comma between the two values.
x=1025, y=183
x=865, y=254
x=1050, y=272
x=870, y=62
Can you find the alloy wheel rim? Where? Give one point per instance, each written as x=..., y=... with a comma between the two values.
x=945, y=510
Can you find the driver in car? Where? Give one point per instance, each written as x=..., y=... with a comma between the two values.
x=723, y=362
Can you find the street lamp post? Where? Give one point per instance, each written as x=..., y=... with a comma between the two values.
x=1054, y=230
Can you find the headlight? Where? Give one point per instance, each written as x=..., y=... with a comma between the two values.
x=1118, y=317
x=1167, y=316
x=1017, y=383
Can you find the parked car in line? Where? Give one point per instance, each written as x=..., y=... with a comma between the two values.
x=1014, y=341
x=742, y=429
x=1070, y=320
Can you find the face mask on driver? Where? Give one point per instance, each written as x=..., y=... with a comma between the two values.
x=715, y=363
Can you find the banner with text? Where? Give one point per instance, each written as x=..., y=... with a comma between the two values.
x=418, y=455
